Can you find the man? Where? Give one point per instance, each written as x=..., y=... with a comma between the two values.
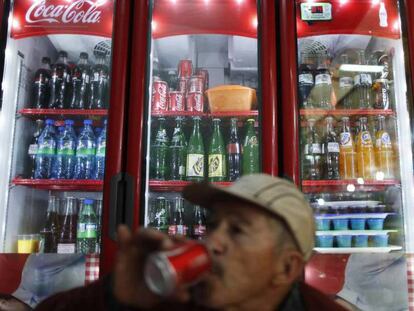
x=260, y=236
x=10, y=303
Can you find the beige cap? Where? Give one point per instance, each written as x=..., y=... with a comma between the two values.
x=274, y=195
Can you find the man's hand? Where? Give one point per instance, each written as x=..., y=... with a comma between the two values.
x=129, y=284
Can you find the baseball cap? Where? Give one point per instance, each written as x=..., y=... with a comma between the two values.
x=277, y=196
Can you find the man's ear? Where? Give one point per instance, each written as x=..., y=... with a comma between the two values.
x=288, y=268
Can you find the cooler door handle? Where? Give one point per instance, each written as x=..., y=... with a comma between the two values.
x=116, y=204
x=129, y=200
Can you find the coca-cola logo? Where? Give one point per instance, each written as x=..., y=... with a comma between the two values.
x=81, y=11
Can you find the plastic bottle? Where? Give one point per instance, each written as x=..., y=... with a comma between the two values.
x=347, y=160
x=60, y=82
x=32, y=151
x=321, y=93
x=87, y=233
x=383, y=151
x=365, y=151
x=99, y=93
x=81, y=83
x=363, y=85
x=46, y=151
x=306, y=82
x=41, y=91
x=85, y=152
x=99, y=172
x=65, y=152
x=346, y=84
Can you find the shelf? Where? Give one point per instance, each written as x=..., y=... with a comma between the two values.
x=60, y=184
x=354, y=216
x=349, y=250
x=310, y=186
x=176, y=186
x=252, y=113
x=355, y=232
x=223, y=114
x=29, y=112
x=345, y=112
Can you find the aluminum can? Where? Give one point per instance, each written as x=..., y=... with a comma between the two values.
x=381, y=94
x=185, y=68
x=183, y=85
x=195, y=101
x=184, y=265
x=159, y=100
x=177, y=101
x=196, y=84
x=204, y=74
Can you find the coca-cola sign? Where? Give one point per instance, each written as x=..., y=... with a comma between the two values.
x=43, y=17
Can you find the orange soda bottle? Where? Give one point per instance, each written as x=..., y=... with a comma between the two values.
x=365, y=151
x=383, y=151
x=347, y=161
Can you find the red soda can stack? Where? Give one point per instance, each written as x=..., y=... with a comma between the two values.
x=177, y=101
x=196, y=84
x=203, y=73
x=195, y=101
x=185, y=68
x=184, y=265
x=159, y=100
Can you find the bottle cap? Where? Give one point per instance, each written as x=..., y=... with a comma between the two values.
x=88, y=201
x=84, y=55
x=50, y=122
x=63, y=54
x=69, y=122
x=87, y=122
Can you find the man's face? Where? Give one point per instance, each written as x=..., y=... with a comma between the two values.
x=12, y=304
x=243, y=252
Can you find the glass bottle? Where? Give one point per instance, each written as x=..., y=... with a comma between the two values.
x=312, y=154
x=217, y=155
x=322, y=91
x=347, y=161
x=67, y=235
x=363, y=85
x=195, y=154
x=50, y=231
x=346, y=84
x=330, y=150
x=233, y=152
x=383, y=151
x=365, y=151
x=250, y=157
x=178, y=151
x=159, y=153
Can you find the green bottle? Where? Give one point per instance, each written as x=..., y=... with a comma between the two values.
x=87, y=233
x=159, y=153
x=161, y=215
x=178, y=151
x=250, y=158
x=195, y=154
x=217, y=155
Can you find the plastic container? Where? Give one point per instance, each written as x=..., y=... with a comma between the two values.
x=231, y=98
x=375, y=223
x=324, y=240
x=358, y=224
x=380, y=240
x=344, y=240
x=360, y=240
x=323, y=224
x=340, y=224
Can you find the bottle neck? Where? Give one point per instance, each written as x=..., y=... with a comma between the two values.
x=45, y=66
x=88, y=209
x=100, y=61
x=363, y=126
x=329, y=127
x=196, y=126
x=345, y=127
x=381, y=125
x=83, y=61
x=62, y=60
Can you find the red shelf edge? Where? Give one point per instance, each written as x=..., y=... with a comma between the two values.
x=176, y=186
x=307, y=112
x=205, y=114
x=316, y=183
x=81, y=112
x=60, y=184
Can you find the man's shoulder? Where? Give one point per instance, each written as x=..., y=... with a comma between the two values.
x=315, y=300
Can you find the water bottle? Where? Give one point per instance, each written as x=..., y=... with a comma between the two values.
x=100, y=154
x=46, y=151
x=85, y=152
x=65, y=152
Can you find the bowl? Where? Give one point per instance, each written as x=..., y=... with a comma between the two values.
x=375, y=223
x=340, y=224
x=357, y=223
x=324, y=240
x=344, y=240
x=231, y=98
x=360, y=240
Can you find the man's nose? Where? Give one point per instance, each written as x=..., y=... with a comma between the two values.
x=216, y=240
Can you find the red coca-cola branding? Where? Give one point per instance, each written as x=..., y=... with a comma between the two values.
x=204, y=73
x=177, y=229
x=185, y=68
x=196, y=84
x=233, y=148
x=183, y=85
x=199, y=231
x=177, y=101
x=159, y=96
x=195, y=101
x=42, y=17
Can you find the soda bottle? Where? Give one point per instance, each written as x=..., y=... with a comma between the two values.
x=59, y=82
x=65, y=152
x=85, y=152
x=199, y=224
x=330, y=150
x=98, y=211
x=365, y=151
x=383, y=151
x=322, y=91
x=41, y=82
x=346, y=84
x=87, y=233
x=161, y=217
x=363, y=85
x=99, y=93
x=32, y=151
x=81, y=83
x=312, y=163
x=46, y=151
x=67, y=236
x=217, y=155
x=50, y=231
x=159, y=163
x=347, y=161
x=250, y=158
x=306, y=82
x=100, y=154
x=195, y=154
x=178, y=151
x=233, y=152
x=177, y=225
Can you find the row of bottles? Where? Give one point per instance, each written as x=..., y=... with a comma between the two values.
x=182, y=159
x=348, y=156
x=82, y=86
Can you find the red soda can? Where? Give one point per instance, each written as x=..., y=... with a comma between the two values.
x=159, y=100
x=185, y=68
x=183, y=85
x=177, y=101
x=195, y=101
x=184, y=265
x=196, y=84
x=204, y=74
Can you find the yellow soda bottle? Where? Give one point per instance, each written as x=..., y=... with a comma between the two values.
x=383, y=151
x=347, y=161
x=365, y=151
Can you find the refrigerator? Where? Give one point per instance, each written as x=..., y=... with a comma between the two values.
x=63, y=88
x=352, y=151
